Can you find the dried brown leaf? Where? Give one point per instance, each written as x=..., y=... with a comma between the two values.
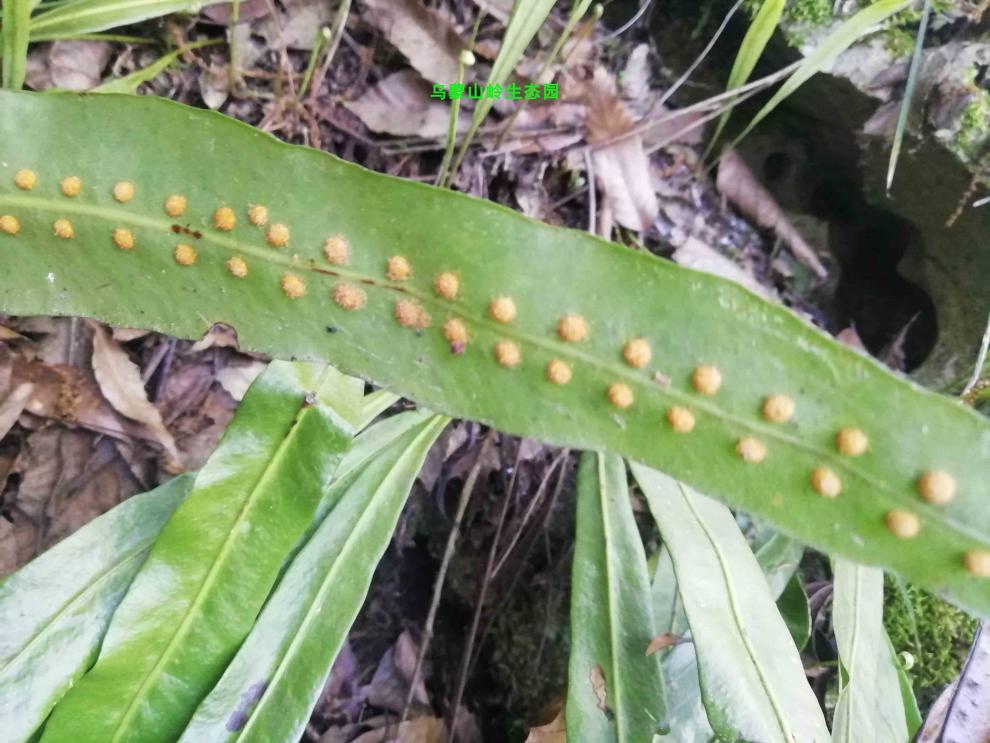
x=597, y=679
x=666, y=640
x=420, y=730
x=120, y=381
x=426, y=37
x=78, y=65
x=738, y=184
x=622, y=168
x=401, y=105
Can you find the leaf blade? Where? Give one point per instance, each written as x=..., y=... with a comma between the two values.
x=610, y=566
x=55, y=610
x=695, y=319
x=208, y=574
x=298, y=635
x=761, y=693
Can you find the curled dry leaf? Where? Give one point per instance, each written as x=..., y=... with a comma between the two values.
x=401, y=105
x=621, y=168
x=554, y=731
x=426, y=37
x=738, y=184
x=597, y=679
x=120, y=381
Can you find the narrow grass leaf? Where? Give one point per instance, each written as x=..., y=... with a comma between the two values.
x=753, y=45
x=870, y=706
x=825, y=53
x=614, y=691
x=55, y=610
x=752, y=679
x=909, y=88
x=129, y=84
x=199, y=592
x=268, y=691
x=14, y=36
x=86, y=16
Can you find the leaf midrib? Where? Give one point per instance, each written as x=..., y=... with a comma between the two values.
x=696, y=402
x=327, y=582
x=220, y=560
x=781, y=717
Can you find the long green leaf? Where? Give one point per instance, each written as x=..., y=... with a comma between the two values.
x=129, y=84
x=912, y=715
x=14, y=36
x=198, y=594
x=87, y=16
x=55, y=610
x=615, y=691
x=752, y=678
x=753, y=45
x=825, y=53
x=689, y=318
x=870, y=705
x=268, y=692
x=778, y=558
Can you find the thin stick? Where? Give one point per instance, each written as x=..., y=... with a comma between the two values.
x=336, y=34
x=448, y=555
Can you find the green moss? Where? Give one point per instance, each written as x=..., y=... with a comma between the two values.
x=973, y=135
x=938, y=637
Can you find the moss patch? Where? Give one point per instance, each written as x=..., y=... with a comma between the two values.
x=938, y=637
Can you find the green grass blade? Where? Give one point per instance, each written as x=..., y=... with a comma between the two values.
x=830, y=48
x=752, y=679
x=870, y=705
x=130, y=83
x=268, y=691
x=690, y=319
x=753, y=45
x=14, y=36
x=199, y=592
x=55, y=610
x=525, y=21
x=909, y=88
x=614, y=691
x=87, y=16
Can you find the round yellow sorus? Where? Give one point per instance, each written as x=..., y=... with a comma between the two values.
x=278, y=235
x=237, y=267
x=123, y=191
x=397, y=268
x=620, y=395
x=410, y=314
x=778, y=408
x=9, y=224
x=185, y=255
x=455, y=331
x=446, y=285
x=175, y=205
x=977, y=563
x=937, y=487
x=559, y=372
x=826, y=482
x=707, y=379
x=336, y=250
x=292, y=286
x=63, y=229
x=507, y=354
x=637, y=353
x=903, y=524
x=852, y=442
x=572, y=328
x=224, y=219
x=258, y=215
x=681, y=420
x=349, y=297
x=25, y=179
x=123, y=238
x=751, y=450
x=502, y=309
x=71, y=185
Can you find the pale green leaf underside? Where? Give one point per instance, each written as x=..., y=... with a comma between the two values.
x=689, y=319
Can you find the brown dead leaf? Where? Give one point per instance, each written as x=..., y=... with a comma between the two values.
x=126, y=335
x=738, y=184
x=666, y=640
x=18, y=538
x=120, y=381
x=78, y=65
x=702, y=257
x=390, y=684
x=51, y=460
x=426, y=37
x=554, y=731
x=420, y=730
x=298, y=26
x=622, y=168
x=236, y=378
x=13, y=405
x=401, y=105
